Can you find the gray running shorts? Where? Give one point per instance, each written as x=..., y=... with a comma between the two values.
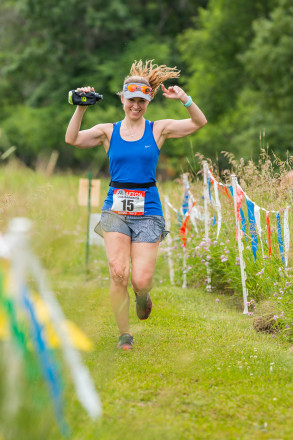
x=141, y=229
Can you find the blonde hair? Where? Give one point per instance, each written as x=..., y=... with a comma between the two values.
x=151, y=74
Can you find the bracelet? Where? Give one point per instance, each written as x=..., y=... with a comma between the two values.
x=189, y=102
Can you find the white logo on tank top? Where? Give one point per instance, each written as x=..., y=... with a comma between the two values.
x=147, y=146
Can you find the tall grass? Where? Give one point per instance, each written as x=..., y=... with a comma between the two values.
x=268, y=183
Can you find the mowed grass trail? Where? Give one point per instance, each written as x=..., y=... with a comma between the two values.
x=198, y=369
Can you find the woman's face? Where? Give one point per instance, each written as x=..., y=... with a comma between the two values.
x=134, y=108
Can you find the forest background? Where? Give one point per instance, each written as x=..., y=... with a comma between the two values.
x=235, y=58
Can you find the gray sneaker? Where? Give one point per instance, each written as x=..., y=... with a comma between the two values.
x=143, y=306
x=125, y=342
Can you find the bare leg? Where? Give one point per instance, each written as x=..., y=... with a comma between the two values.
x=118, y=253
x=143, y=259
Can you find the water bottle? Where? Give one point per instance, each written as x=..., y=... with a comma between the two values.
x=83, y=98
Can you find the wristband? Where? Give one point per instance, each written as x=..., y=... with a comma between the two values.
x=189, y=102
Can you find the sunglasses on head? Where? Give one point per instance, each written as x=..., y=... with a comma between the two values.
x=134, y=87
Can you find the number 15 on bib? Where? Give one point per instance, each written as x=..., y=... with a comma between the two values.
x=128, y=202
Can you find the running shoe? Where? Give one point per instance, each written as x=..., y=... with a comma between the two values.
x=143, y=306
x=125, y=342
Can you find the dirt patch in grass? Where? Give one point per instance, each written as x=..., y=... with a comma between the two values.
x=265, y=321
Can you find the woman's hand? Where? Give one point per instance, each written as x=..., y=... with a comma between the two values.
x=174, y=92
x=85, y=89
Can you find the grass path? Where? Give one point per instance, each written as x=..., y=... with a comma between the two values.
x=198, y=371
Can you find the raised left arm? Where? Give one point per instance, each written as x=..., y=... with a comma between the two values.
x=172, y=128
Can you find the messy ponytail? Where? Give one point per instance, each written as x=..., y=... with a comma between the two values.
x=151, y=74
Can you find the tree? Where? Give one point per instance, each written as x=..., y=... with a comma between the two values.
x=211, y=51
x=268, y=65
x=52, y=47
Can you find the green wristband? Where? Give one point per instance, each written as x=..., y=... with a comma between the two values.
x=189, y=102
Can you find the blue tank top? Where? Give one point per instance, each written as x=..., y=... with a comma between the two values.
x=135, y=161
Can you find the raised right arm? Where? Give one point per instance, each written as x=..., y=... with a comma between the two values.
x=90, y=138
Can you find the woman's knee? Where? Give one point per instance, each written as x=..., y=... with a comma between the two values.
x=142, y=284
x=119, y=273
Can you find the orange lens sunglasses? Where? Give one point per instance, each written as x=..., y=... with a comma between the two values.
x=134, y=87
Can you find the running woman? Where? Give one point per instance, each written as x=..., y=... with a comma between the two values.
x=132, y=221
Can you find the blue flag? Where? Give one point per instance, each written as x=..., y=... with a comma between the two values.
x=280, y=239
x=252, y=225
x=47, y=361
x=210, y=196
x=243, y=223
x=209, y=185
x=185, y=202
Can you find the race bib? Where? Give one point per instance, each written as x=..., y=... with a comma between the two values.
x=128, y=202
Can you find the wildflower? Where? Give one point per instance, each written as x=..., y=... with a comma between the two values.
x=237, y=258
x=250, y=313
x=229, y=280
x=208, y=257
x=226, y=251
x=206, y=263
x=203, y=261
x=260, y=272
x=275, y=318
x=217, y=300
x=275, y=294
x=265, y=257
x=224, y=258
x=206, y=281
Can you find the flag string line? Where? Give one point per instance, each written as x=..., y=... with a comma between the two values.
x=214, y=180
